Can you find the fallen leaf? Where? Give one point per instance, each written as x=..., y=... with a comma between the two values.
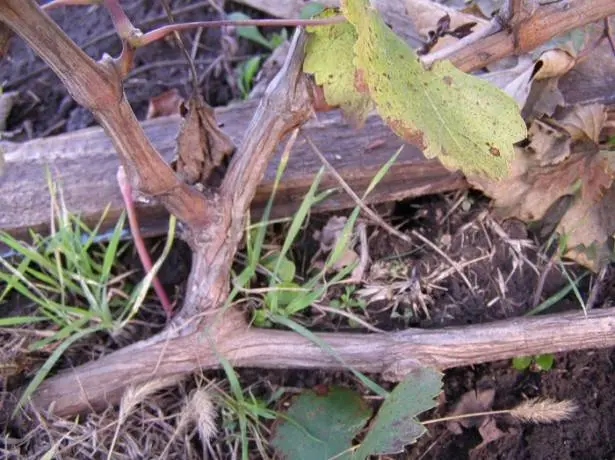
x=329, y=237
x=585, y=120
x=7, y=100
x=549, y=143
x=320, y=424
x=426, y=14
x=471, y=402
x=555, y=169
x=201, y=144
x=489, y=432
x=167, y=103
x=466, y=122
x=592, y=79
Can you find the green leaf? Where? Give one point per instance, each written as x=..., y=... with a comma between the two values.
x=464, y=121
x=544, y=362
x=250, y=32
x=310, y=10
x=248, y=71
x=396, y=425
x=282, y=294
x=285, y=267
x=329, y=56
x=322, y=425
x=521, y=362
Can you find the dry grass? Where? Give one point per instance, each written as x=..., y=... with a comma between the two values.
x=544, y=410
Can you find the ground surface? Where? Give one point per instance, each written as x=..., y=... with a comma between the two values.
x=504, y=281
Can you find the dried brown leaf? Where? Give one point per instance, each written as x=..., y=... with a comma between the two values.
x=426, y=15
x=201, y=145
x=549, y=143
x=471, y=402
x=554, y=169
x=585, y=121
x=592, y=80
x=553, y=63
x=329, y=237
x=489, y=431
x=7, y=100
x=167, y=103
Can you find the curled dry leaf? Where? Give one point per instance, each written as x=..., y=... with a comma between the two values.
x=426, y=15
x=519, y=80
x=201, y=145
x=549, y=143
x=471, y=402
x=329, y=237
x=165, y=104
x=7, y=100
x=585, y=120
x=554, y=166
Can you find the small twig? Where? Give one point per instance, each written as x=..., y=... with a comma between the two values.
x=182, y=47
x=597, y=288
x=147, y=22
x=170, y=63
x=379, y=220
x=375, y=217
x=163, y=31
x=541, y=282
x=350, y=316
x=58, y=3
x=494, y=26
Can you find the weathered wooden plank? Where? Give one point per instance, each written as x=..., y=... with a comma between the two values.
x=84, y=163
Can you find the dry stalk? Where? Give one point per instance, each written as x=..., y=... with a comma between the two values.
x=544, y=410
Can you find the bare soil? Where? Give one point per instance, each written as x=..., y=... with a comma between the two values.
x=503, y=280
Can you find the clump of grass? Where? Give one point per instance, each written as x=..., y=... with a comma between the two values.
x=69, y=277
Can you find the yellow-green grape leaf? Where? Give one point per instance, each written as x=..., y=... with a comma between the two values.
x=466, y=122
x=329, y=56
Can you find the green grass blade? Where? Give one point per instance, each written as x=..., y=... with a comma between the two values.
x=556, y=297
x=112, y=247
x=299, y=218
x=48, y=365
x=20, y=320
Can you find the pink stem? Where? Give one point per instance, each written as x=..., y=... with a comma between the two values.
x=126, y=189
x=58, y=3
x=163, y=31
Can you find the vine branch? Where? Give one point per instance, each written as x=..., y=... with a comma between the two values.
x=97, y=86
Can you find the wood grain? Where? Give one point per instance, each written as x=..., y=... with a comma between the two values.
x=101, y=382
x=85, y=165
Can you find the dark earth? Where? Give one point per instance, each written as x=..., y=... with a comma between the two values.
x=44, y=108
